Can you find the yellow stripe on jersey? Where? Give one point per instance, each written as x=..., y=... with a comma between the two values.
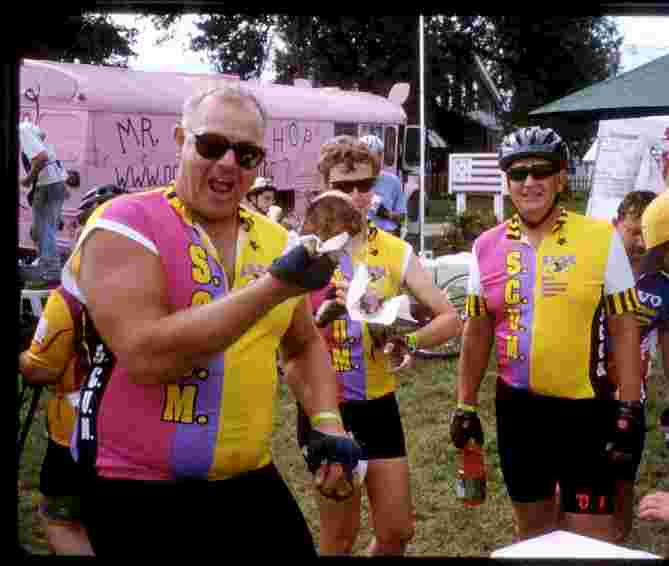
x=475, y=307
x=625, y=301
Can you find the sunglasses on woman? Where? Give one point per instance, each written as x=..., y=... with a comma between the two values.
x=363, y=186
x=214, y=146
x=538, y=172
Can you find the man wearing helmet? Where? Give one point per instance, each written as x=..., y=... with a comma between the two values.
x=536, y=282
x=390, y=207
x=56, y=357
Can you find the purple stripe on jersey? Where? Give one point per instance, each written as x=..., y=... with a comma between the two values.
x=521, y=366
x=353, y=383
x=194, y=442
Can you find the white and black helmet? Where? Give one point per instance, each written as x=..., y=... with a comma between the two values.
x=533, y=141
x=373, y=142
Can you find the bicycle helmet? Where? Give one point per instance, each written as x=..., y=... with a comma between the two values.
x=95, y=197
x=373, y=142
x=533, y=142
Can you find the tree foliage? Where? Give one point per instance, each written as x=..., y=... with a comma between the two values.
x=531, y=61
x=83, y=38
x=542, y=60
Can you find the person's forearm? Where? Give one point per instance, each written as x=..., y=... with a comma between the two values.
x=477, y=341
x=624, y=331
x=440, y=329
x=314, y=383
x=318, y=378
x=36, y=165
x=164, y=350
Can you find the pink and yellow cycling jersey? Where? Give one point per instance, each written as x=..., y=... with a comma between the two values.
x=217, y=421
x=56, y=346
x=544, y=301
x=359, y=361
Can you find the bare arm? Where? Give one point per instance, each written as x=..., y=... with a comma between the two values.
x=307, y=363
x=36, y=165
x=477, y=344
x=37, y=375
x=126, y=294
x=624, y=331
x=446, y=322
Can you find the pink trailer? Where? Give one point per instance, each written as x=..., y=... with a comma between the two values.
x=115, y=125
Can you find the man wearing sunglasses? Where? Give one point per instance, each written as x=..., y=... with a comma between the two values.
x=536, y=283
x=389, y=212
x=188, y=297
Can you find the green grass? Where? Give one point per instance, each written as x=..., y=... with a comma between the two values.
x=444, y=527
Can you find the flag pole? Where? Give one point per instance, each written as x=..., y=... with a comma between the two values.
x=423, y=135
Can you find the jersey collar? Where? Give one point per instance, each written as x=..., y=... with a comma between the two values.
x=514, y=226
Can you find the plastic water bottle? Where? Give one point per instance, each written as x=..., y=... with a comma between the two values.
x=470, y=483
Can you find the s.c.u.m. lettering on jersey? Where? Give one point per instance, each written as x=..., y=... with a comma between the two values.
x=102, y=363
x=513, y=298
x=179, y=404
x=341, y=353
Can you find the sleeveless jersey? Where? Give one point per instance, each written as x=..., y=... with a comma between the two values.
x=217, y=421
x=357, y=351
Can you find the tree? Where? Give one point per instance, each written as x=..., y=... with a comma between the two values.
x=84, y=38
x=532, y=61
x=542, y=60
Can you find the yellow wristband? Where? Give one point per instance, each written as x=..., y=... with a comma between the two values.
x=318, y=418
x=471, y=408
x=411, y=342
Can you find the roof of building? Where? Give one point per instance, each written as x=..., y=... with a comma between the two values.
x=643, y=91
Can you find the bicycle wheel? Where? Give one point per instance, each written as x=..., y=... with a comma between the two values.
x=455, y=290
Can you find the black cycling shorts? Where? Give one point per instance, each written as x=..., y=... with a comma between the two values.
x=253, y=515
x=60, y=474
x=544, y=440
x=375, y=423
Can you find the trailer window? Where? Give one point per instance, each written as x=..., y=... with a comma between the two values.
x=286, y=200
x=389, y=146
x=344, y=128
x=373, y=129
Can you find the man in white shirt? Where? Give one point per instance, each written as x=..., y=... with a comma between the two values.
x=49, y=195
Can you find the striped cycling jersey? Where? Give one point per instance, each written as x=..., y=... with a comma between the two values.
x=216, y=422
x=56, y=346
x=544, y=301
x=356, y=352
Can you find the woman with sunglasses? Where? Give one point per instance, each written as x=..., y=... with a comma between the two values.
x=540, y=283
x=365, y=372
x=188, y=297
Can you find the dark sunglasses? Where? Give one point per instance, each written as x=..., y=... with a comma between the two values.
x=539, y=172
x=363, y=186
x=215, y=146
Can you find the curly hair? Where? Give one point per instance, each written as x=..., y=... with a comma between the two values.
x=344, y=149
x=634, y=204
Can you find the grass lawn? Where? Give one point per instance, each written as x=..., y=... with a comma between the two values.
x=443, y=527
